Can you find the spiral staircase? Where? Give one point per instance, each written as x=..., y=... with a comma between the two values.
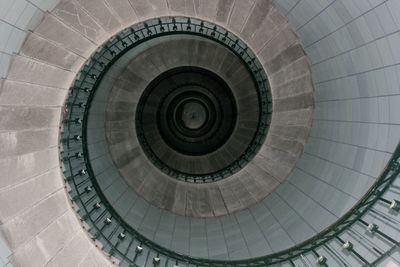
x=199, y=133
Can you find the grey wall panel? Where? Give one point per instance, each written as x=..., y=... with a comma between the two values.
x=352, y=46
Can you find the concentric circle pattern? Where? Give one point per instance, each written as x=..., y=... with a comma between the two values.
x=193, y=112
x=236, y=104
x=193, y=109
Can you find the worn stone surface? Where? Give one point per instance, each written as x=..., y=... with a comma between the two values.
x=123, y=11
x=100, y=11
x=28, y=193
x=25, y=118
x=17, y=143
x=180, y=7
x=294, y=70
x=258, y=14
x=26, y=94
x=295, y=102
x=224, y=10
x=206, y=9
x=41, y=249
x=79, y=246
x=28, y=224
x=297, y=86
x=42, y=49
x=20, y=168
x=51, y=27
x=149, y=8
x=286, y=57
x=95, y=258
x=72, y=14
x=239, y=15
x=29, y=70
x=271, y=26
x=286, y=37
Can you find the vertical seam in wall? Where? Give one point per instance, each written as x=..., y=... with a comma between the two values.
x=44, y=228
x=158, y=225
x=340, y=165
x=317, y=202
x=46, y=63
x=298, y=214
x=190, y=231
x=344, y=25
x=223, y=236
x=322, y=181
x=248, y=15
x=63, y=247
x=33, y=4
x=94, y=249
x=276, y=219
x=88, y=14
x=355, y=48
x=33, y=205
x=259, y=228
x=316, y=15
x=134, y=11
x=281, y=28
x=72, y=29
x=292, y=8
x=354, y=145
x=356, y=73
x=173, y=229
x=169, y=8
x=241, y=232
x=12, y=25
x=230, y=12
x=57, y=45
x=356, y=98
x=362, y=122
x=29, y=177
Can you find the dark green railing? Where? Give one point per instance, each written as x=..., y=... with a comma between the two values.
x=127, y=245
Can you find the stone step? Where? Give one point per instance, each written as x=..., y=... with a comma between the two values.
x=23, y=142
x=28, y=224
x=17, y=93
x=48, y=52
x=73, y=16
x=47, y=244
x=29, y=70
x=28, y=118
x=79, y=246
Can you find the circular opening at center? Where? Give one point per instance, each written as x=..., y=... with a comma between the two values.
x=193, y=115
x=190, y=109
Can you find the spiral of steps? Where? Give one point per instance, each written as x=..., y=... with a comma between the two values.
x=78, y=187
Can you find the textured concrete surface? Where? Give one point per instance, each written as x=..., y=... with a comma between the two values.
x=351, y=46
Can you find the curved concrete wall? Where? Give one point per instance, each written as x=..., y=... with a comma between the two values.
x=353, y=48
